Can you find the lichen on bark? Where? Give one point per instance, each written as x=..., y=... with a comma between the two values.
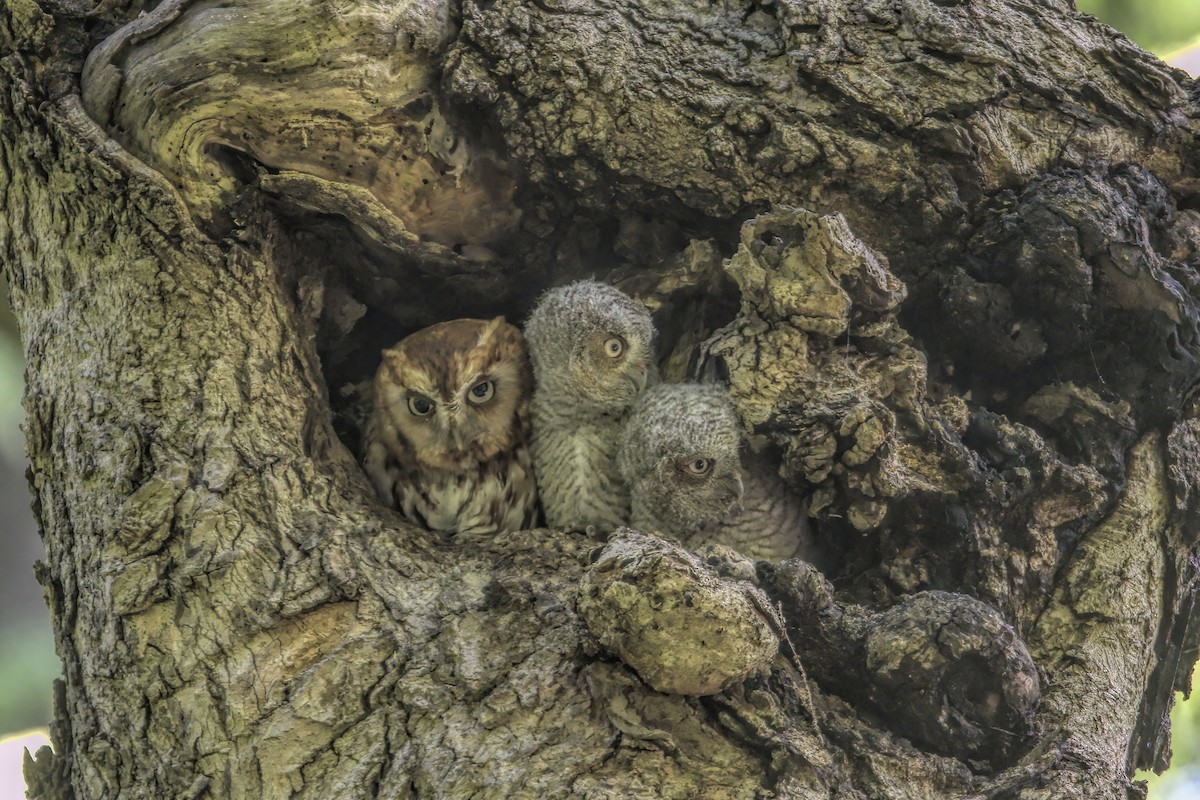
x=682, y=629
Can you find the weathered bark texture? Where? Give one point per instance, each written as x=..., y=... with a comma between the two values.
x=944, y=253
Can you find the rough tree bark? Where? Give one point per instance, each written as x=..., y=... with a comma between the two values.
x=944, y=252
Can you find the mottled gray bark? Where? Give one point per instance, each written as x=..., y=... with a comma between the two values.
x=944, y=254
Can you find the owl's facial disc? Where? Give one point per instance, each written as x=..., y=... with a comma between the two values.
x=702, y=489
x=609, y=369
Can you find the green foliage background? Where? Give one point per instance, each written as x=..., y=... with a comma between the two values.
x=1159, y=26
x=27, y=660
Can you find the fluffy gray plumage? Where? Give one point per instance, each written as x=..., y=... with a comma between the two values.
x=592, y=351
x=680, y=457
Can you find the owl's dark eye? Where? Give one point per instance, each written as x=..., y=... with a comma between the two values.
x=614, y=347
x=699, y=466
x=420, y=406
x=481, y=392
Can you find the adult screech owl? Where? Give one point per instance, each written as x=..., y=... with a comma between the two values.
x=592, y=352
x=681, y=458
x=447, y=441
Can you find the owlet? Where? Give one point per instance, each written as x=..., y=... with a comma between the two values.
x=447, y=441
x=681, y=458
x=592, y=352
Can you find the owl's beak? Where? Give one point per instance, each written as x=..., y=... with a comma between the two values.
x=454, y=433
x=638, y=379
x=737, y=491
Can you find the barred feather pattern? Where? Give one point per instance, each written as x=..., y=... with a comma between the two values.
x=682, y=456
x=592, y=350
x=770, y=524
x=491, y=496
x=576, y=463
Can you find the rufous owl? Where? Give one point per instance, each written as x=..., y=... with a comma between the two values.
x=447, y=440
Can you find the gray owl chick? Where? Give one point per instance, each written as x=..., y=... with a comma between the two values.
x=680, y=457
x=592, y=351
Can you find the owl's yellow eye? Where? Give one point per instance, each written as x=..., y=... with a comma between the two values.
x=481, y=392
x=420, y=406
x=699, y=466
x=614, y=347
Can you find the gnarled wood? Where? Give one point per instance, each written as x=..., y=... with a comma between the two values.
x=943, y=252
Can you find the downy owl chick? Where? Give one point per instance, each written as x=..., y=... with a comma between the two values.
x=447, y=441
x=681, y=458
x=592, y=352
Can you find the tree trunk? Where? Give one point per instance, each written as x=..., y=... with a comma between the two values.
x=944, y=254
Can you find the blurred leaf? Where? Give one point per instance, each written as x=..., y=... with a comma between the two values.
x=1159, y=26
x=8, y=323
x=28, y=667
x=11, y=381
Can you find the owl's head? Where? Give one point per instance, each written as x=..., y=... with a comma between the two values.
x=456, y=392
x=591, y=345
x=680, y=457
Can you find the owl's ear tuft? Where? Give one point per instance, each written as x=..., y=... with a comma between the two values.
x=489, y=330
x=393, y=358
